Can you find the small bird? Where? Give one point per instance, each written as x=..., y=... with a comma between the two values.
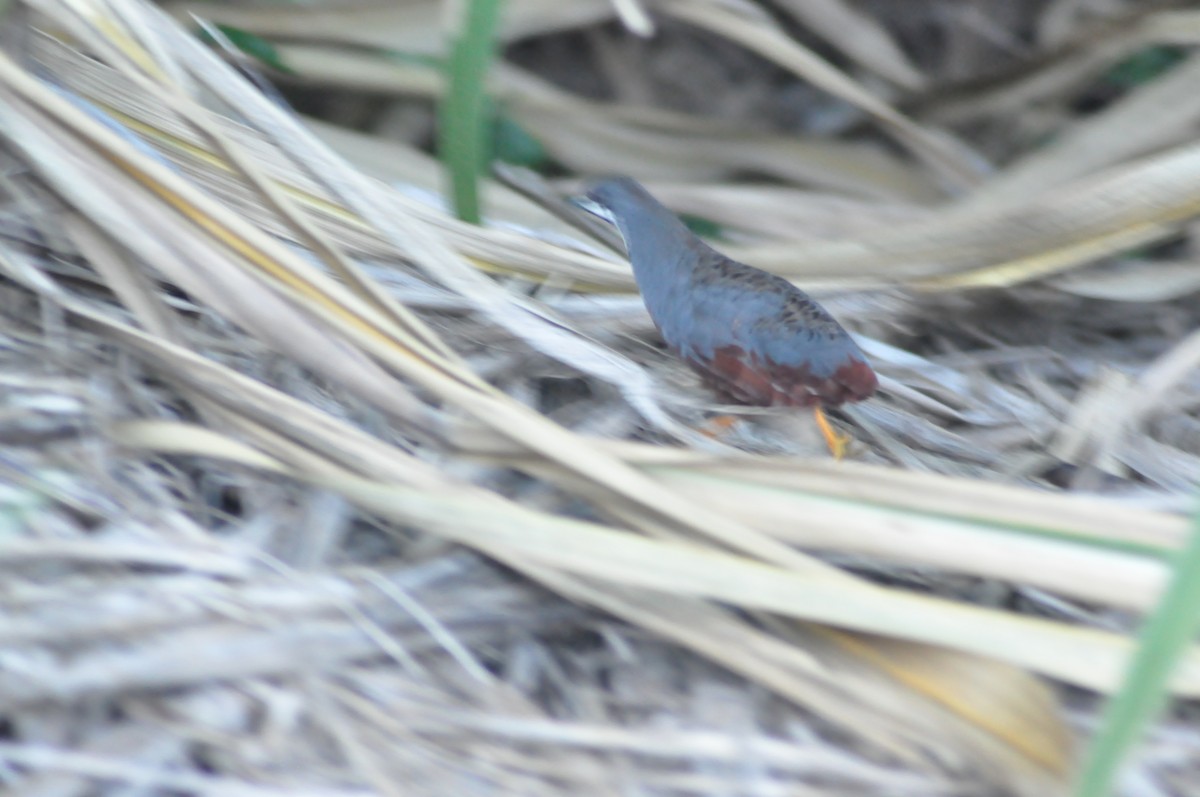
x=753, y=336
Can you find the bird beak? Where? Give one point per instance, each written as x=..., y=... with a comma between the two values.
x=593, y=207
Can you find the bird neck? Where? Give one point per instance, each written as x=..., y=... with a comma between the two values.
x=661, y=248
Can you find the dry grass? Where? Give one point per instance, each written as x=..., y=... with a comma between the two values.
x=309, y=488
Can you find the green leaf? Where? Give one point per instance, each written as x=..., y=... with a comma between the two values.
x=705, y=228
x=1144, y=66
x=513, y=144
x=1164, y=638
x=252, y=45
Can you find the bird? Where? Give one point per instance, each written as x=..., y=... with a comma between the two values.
x=753, y=336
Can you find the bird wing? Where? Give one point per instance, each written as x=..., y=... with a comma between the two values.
x=765, y=342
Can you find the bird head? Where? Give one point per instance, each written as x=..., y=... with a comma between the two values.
x=654, y=236
x=614, y=198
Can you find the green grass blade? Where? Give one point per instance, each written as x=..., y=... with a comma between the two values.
x=249, y=43
x=1166, y=633
x=463, y=129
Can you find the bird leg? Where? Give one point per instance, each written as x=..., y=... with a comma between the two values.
x=718, y=425
x=836, y=441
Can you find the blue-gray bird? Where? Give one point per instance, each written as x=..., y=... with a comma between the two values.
x=753, y=336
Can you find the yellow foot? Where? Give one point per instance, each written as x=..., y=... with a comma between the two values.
x=836, y=441
x=718, y=425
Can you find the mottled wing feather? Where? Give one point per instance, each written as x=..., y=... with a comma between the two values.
x=767, y=342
